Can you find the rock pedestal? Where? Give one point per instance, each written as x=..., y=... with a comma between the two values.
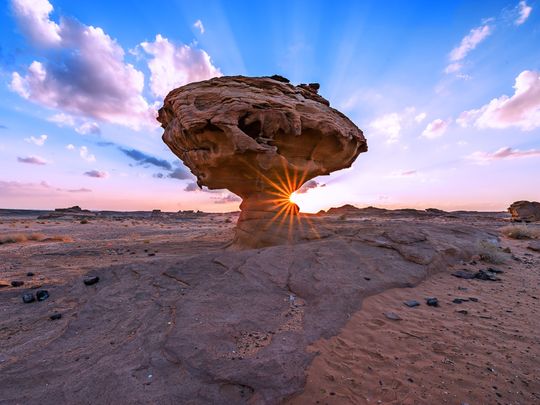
x=261, y=138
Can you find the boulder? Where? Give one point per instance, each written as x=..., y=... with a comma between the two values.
x=528, y=211
x=261, y=138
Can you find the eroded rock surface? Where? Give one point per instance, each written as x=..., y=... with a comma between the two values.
x=261, y=138
x=528, y=211
x=196, y=324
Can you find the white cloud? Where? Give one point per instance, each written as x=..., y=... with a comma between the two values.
x=62, y=120
x=173, y=66
x=524, y=11
x=88, y=128
x=420, y=117
x=390, y=125
x=436, y=128
x=86, y=155
x=502, y=153
x=467, y=44
x=35, y=23
x=199, y=25
x=521, y=110
x=90, y=80
x=81, y=126
x=70, y=147
x=40, y=141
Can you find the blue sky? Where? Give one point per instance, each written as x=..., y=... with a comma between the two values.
x=447, y=94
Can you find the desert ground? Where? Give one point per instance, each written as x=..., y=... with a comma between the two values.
x=180, y=316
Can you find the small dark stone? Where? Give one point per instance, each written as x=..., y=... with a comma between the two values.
x=29, y=274
x=486, y=275
x=473, y=299
x=464, y=274
x=42, y=295
x=494, y=270
x=17, y=283
x=462, y=288
x=393, y=316
x=89, y=280
x=151, y=254
x=432, y=302
x=459, y=300
x=412, y=303
x=463, y=311
x=28, y=298
x=280, y=78
x=55, y=316
x=367, y=278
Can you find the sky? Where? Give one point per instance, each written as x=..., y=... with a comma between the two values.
x=447, y=94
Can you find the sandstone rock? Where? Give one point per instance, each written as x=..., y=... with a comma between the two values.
x=527, y=211
x=261, y=138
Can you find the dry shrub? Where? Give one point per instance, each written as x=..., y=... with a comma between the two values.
x=36, y=237
x=522, y=231
x=84, y=221
x=342, y=217
x=491, y=252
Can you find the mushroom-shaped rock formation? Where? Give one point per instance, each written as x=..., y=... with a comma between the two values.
x=261, y=138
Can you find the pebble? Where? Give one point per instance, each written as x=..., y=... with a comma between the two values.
x=459, y=300
x=412, y=303
x=463, y=311
x=91, y=280
x=393, y=316
x=28, y=298
x=17, y=283
x=29, y=274
x=432, y=302
x=42, y=295
x=55, y=316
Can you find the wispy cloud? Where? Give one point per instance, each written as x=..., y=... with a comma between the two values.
x=524, y=11
x=39, y=141
x=502, y=153
x=229, y=198
x=311, y=184
x=192, y=187
x=467, y=44
x=96, y=174
x=79, y=190
x=436, y=128
x=144, y=159
x=521, y=110
x=33, y=160
x=199, y=25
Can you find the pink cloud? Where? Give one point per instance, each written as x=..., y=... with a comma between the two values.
x=97, y=174
x=436, y=128
x=502, y=153
x=521, y=110
x=33, y=160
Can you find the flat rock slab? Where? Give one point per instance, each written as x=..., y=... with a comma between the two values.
x=214, y=328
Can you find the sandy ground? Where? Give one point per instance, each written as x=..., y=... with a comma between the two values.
x=176, y=318
x=489, y=353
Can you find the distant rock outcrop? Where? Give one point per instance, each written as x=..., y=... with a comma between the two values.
x=261, y=138
x=528, y=211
